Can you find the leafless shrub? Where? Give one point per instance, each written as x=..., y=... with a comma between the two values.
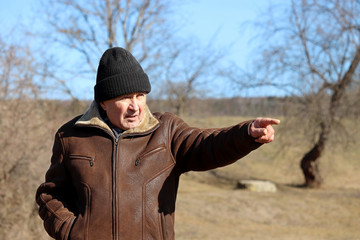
x=24, y=140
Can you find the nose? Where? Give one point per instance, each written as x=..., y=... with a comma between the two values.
x=134, y=105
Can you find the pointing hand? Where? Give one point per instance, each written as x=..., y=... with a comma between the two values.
x=262, y=130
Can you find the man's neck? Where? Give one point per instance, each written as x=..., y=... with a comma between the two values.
x=117, y=131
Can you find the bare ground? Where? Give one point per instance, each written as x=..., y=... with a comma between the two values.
x=209, y=212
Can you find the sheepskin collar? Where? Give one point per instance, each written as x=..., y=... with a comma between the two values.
x=92, y=117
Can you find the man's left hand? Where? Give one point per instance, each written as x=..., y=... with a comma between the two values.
x=261, y=129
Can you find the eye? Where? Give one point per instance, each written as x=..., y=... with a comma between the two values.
x=125, y=97
x=140, y=95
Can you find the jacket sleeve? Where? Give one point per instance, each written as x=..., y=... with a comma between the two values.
x=203, y=149
x=51, y=196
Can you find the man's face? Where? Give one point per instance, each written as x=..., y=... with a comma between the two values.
x=125, y=112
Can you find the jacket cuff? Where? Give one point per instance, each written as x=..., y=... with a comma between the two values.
x=65, y=229
x=249, y=126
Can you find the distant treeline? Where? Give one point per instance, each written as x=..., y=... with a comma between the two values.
x=195, y=107
x=225, y=106
x=207, y=107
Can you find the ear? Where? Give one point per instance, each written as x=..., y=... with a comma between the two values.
x=103, y=106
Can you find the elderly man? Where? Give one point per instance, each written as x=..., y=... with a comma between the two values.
x=115, y=170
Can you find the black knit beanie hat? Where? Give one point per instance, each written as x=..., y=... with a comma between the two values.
x=119, y=73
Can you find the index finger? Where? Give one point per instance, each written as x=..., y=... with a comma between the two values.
x=268, y=121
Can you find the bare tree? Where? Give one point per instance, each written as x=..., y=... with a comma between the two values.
x=311, y=51
x=86, y=28
x=187, y=73
x=23, y=127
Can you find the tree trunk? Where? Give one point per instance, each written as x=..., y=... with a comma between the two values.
x=309, y=165
x=310, y=162
x=180, y=106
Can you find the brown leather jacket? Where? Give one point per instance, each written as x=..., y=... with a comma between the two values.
x=103, y=188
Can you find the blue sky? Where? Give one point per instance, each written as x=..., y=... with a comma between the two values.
x=205, y=18
x=226, y=16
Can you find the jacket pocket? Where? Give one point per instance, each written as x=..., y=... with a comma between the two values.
x=90, y=160
x=149, y=153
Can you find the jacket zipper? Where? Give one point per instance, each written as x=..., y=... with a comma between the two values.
x=90, y=159
x=115, y=217
x=138, y=160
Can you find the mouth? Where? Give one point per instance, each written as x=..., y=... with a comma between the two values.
x=131, y=117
